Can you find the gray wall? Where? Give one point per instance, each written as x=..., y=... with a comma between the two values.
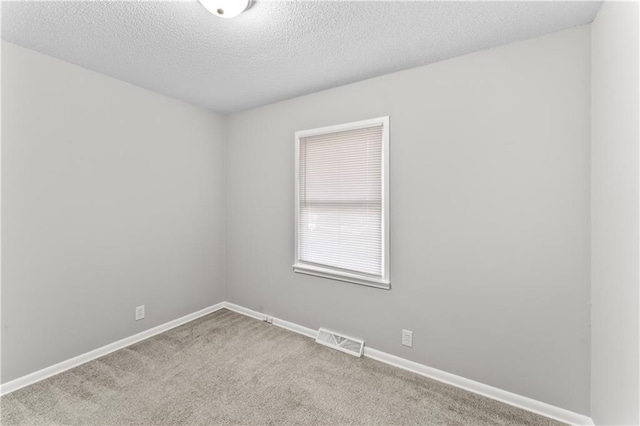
x=489, y=216
x=614, y=274
x=112, y=198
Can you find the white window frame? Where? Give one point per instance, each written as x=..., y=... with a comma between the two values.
x=336, y=273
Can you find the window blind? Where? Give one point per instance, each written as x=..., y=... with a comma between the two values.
x=340, y=190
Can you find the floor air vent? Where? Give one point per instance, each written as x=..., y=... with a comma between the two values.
x=342, y=343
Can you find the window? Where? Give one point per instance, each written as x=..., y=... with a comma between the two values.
x=342, y=202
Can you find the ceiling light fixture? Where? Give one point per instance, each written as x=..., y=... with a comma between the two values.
x=225, y=8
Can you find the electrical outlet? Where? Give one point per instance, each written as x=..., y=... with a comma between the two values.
x=407, y=338
x=139, y=312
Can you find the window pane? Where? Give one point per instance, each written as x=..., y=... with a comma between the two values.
x=343, y=236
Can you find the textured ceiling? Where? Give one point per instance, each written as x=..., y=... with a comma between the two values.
x=275, y=50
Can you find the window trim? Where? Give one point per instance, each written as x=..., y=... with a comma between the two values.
x=335, y=273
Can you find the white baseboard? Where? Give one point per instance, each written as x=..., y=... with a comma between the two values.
x=104, y=350
x=296, y=328
x=510, y=398
x=245, y=311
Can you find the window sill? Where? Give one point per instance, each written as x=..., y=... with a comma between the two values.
x=341, y=276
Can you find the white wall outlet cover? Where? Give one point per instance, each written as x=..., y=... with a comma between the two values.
x=407, y=338
x=139, y=312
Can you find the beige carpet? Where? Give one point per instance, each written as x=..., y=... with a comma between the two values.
x=225, y=368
